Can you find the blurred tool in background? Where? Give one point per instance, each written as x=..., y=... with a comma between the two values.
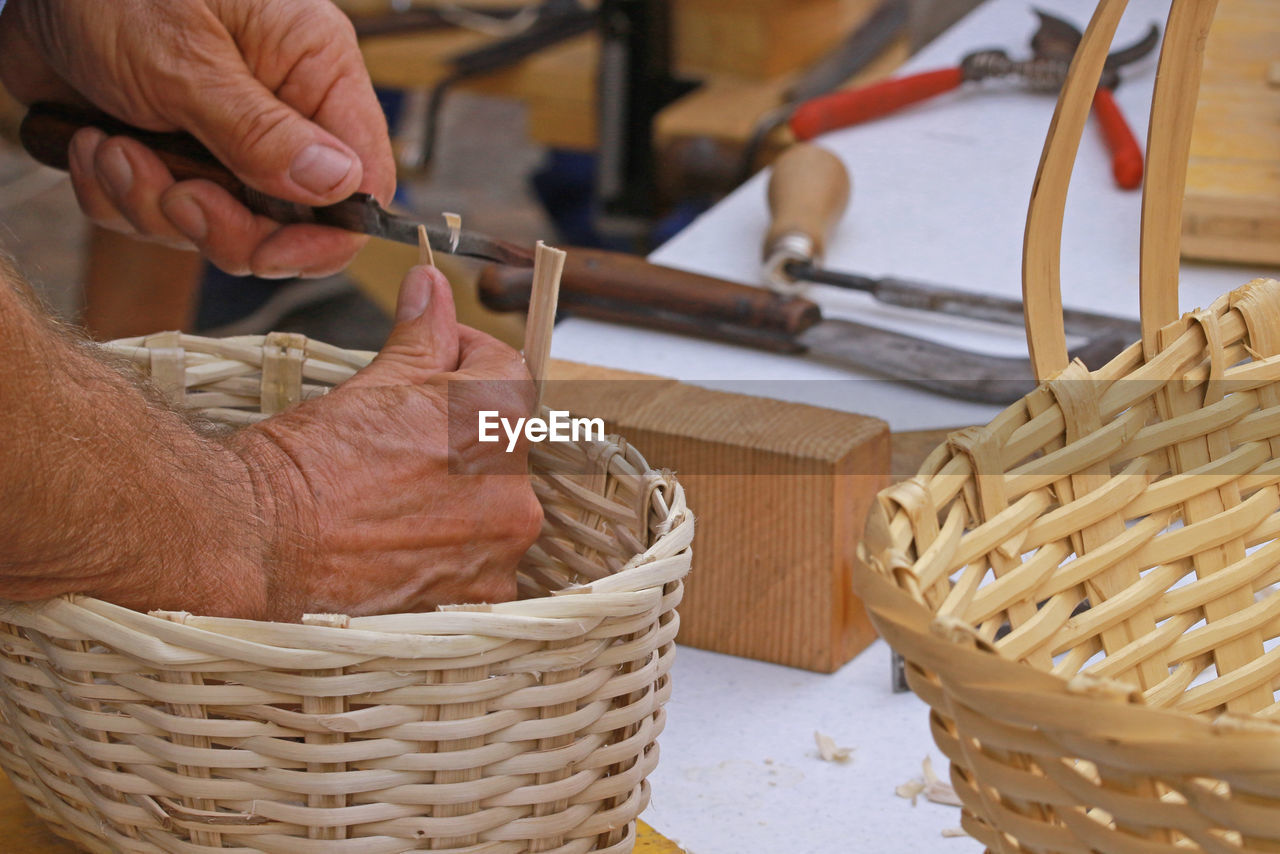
x=1052, y=46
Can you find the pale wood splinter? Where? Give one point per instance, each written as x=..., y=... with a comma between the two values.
x=548, y=265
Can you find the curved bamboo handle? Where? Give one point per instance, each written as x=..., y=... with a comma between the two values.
x=1042, y=240
x=1168, y=146
x=1168, y=149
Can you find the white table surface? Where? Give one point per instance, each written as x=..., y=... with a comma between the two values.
x=940, y=194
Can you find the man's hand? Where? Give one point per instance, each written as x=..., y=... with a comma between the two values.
x=358, y=502
x=379, y=502
x=276, y=89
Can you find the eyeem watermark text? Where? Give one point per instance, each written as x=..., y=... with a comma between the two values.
x=558, y=427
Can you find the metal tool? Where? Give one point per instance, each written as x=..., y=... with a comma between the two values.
x=1052, y=47
x=808, y=192
x=626, y=289
x=46, y=134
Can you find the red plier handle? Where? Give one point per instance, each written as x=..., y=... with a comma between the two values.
x=854, y=106
x=1126, y=156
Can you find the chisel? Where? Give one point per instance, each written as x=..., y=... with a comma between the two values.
x=809, y=190
x=46, y=134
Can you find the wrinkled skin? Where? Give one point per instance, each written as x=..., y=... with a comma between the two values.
x=276, y=89
x=441, y=517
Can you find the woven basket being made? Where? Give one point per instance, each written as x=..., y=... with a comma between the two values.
x=1087, y=589
x=526, y=726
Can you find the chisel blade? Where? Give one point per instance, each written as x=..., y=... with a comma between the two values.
x=362, y=213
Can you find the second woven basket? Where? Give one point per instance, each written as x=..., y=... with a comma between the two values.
x=1087, y=589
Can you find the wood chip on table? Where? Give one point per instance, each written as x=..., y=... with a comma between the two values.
x=930, y=785
x=829, y=751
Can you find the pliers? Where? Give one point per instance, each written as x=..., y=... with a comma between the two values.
x=1052, y=46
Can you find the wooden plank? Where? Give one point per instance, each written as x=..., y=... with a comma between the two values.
x=759, y=39
x=780, y=490
x=22, y=831
x=557, y=84
x=1232, y=208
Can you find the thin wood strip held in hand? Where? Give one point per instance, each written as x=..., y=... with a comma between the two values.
x=548, y=265
x=1087, y=590
x=513, y=727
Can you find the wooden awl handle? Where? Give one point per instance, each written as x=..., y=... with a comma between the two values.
x=626, y=289
x=808, y=193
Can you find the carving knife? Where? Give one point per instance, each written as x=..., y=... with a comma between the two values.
x=626, y=289
x=47, y=130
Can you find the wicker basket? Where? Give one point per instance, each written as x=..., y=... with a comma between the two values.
x=1085, y=589
x=518, y=727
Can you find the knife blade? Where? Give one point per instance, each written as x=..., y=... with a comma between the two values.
x=46, y=134
x=626, y=289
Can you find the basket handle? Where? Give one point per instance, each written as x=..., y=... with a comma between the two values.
x=1168, y=148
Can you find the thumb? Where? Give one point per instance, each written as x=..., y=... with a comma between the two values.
x=424, y=341
x=269, y=145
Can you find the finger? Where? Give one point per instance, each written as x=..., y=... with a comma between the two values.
x=482, y=356
x=134, y=179
x=267, y=143
x=90, y=194
x=326, y=81
x=243, y=243
x=225, y=231
x=424, y=342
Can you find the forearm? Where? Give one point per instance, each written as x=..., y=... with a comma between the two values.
x=108, y=494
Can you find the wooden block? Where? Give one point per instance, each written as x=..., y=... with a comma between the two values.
x=1232, y=207
x=759, y=38
x=780, y=491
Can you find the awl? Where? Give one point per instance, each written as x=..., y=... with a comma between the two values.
x=809, y=190
x=46, y=134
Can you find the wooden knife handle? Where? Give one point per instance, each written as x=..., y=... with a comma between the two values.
x=47, y=130
x=626, y=289
x=808, y=193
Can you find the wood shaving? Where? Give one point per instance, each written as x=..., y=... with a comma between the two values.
x=930, y=785
x=953, y=832
x=936, y=790
x=454, y=221
x=910, y=790
x=829, y=751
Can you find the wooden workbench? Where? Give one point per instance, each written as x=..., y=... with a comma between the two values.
x=23, y=833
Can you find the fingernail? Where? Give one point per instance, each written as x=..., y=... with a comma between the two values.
x=116, y=171
x=83, y=146
x=278, y=274
x=187, y=216
x=415, y=296
x=320, y=168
